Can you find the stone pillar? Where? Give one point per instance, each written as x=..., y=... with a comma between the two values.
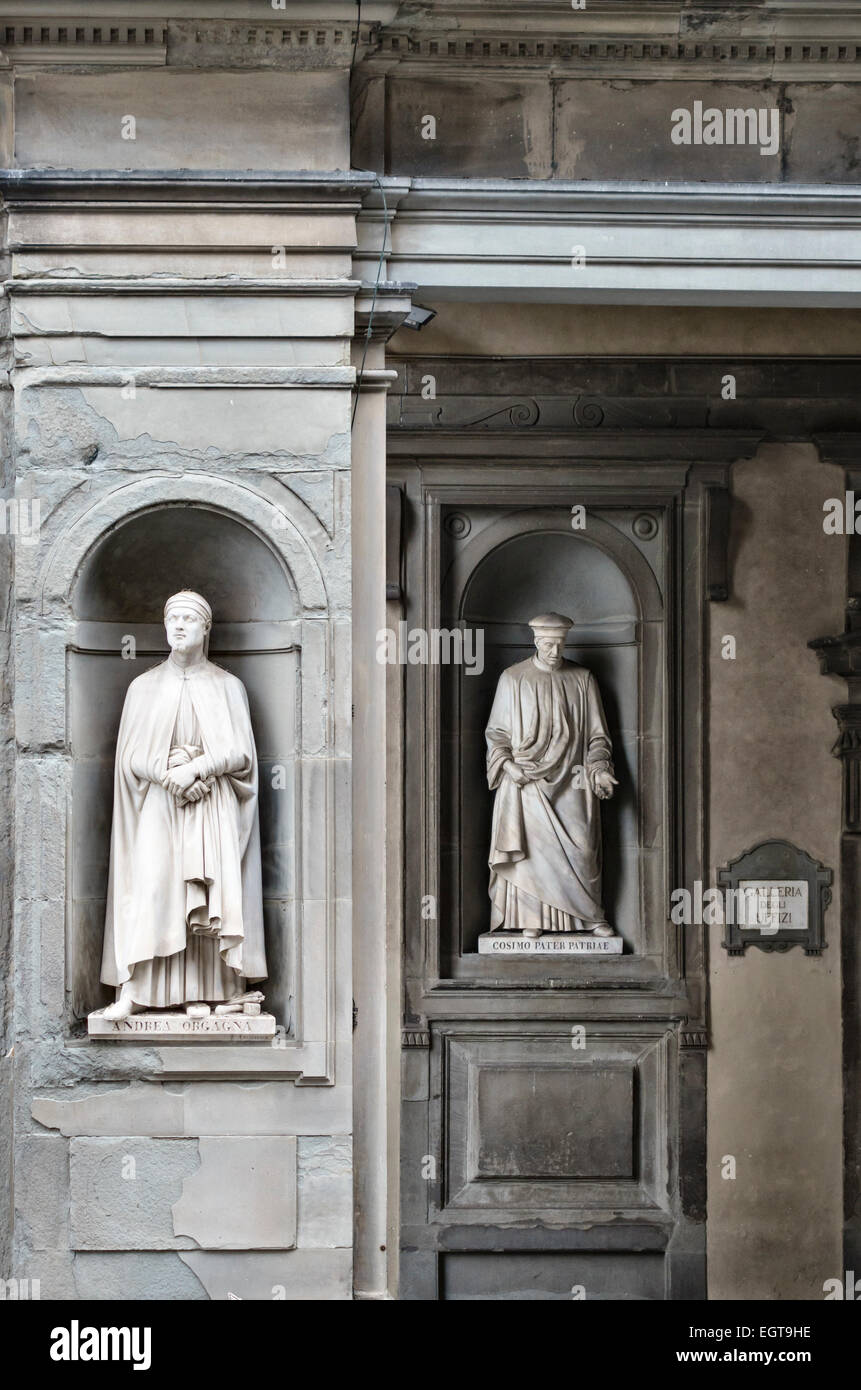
x=375, y=968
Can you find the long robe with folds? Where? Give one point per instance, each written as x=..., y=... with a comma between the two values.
x=545, y=852
x=184, y=916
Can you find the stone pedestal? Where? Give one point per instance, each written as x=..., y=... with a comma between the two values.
x=514, y=943
x=234, y=1027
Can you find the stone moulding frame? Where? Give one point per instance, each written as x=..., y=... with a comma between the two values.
x=516, y=520
x=668, y=488
x=46, y=630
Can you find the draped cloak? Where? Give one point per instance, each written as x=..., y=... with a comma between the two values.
x=185, y=885
x=545, y=854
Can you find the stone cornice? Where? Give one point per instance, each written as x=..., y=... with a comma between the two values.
x=240, y=36
x=687, y=201
x=251, y=11
x=618, y=38
x=514, y=240
x=186, y=286
x=64, y=186
x=235, y=378
x=84, y=40
x=779, y=42
x=270, y=43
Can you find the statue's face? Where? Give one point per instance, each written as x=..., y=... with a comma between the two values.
x=550, y=649
x=185, y=628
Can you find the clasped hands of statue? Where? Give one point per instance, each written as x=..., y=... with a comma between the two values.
x=181, y=778
x=601, y=779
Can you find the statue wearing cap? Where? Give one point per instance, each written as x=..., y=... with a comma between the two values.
x=184, y=919
x=549, y=759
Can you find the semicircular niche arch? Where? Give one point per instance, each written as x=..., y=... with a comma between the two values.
x=117, y=600
x=509, y=570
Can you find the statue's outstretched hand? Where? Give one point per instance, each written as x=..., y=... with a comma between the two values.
x=603, y=783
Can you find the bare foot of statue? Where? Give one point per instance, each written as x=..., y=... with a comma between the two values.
x=123, y=1006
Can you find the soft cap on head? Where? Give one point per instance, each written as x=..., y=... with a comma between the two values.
x=189, y=599
x=550, y=625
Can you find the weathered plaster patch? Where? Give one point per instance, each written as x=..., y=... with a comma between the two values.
x=243, y=1195
x=74, y=1065
x=147, y=1275
x=200, y=420
x=325, y=1191
x=96, y=427
x=138, y=1109
x=122, y=1191
x=295, y=1275
x=317, y=492
x=42, y=1192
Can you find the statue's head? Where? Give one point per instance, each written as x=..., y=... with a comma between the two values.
x=187, y=621
x=550, y=631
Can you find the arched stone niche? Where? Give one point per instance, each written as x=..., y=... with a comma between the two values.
x=96, y=591
x=606, y=578
x=118, y=601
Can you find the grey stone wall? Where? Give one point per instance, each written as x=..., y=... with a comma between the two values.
x=775, y=1083
x=538, y=127
x=191, y=353
x=145, y=1152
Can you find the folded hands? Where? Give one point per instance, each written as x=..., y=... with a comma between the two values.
x=182, y=776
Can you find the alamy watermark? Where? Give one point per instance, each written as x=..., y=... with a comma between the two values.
x=436, y=646
x=757, y=907
x=19, y=1289
x=77, y=1343
x=21, y=517
x=733, y=126
x=847, y=1289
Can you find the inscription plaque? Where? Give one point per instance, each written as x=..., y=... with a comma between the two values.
x=553, y=944
x=779, y=895
x=770, y=904
x=166, y=1026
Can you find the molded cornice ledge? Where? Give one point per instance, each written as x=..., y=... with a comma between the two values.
x=782, y=39
x=538, y=241
x=184, y=185
x=188, y=33
x=626, y=243
x=617, y=38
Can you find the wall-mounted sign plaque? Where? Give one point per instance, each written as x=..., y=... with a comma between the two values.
x=775, y=897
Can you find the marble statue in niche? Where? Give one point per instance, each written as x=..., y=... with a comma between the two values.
x=184, y=918
x=550, y=762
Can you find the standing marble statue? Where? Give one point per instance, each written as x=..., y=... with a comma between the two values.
x=549, y=759
x=184, y=918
